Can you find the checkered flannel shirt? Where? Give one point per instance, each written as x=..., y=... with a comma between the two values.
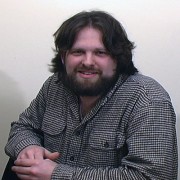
x=129, y=135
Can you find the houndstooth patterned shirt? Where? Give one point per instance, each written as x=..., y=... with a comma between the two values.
x=129, y=135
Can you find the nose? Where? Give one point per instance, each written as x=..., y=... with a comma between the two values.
x=88, y=59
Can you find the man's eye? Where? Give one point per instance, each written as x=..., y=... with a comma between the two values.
x=77, y=52
x=101, y=53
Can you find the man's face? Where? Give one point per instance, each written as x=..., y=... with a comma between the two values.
x=90, y=69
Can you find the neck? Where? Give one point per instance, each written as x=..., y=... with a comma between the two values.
x=87, y=103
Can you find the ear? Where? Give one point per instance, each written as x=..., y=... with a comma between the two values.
x=62, y=60
x=63, y=55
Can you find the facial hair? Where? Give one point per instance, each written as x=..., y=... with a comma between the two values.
x=87, y=88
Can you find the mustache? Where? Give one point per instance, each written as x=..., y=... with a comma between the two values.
x=87, y=68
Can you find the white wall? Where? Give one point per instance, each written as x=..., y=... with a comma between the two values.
x=26, y=28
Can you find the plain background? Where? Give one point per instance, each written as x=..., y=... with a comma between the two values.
x=26, y=47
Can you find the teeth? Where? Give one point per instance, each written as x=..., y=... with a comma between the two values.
x=87, y=73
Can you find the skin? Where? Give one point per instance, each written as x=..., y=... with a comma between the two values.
x=35, y=163
x=89, y=61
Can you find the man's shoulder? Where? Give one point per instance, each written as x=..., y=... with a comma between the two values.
x=53, y=83
x=53, y=78
x=142, y=80
x=147, y=85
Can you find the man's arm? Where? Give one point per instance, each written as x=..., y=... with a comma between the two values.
x=26, y=131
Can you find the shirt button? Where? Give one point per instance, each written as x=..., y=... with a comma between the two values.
x=78, y=133
x=106, y=144
x=71, y=158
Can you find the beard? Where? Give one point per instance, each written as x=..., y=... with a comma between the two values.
x=88, y=88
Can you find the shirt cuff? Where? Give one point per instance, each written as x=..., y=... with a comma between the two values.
x=62, y=172
x=23, y=144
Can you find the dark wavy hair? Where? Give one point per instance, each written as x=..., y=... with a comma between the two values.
x=114, y=39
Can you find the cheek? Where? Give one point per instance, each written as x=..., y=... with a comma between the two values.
x=69, y=69
x=70, y=66
x=109, y=69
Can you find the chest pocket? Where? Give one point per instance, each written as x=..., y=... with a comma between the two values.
x=104, y=148
x=102, y=140
x=54, y=133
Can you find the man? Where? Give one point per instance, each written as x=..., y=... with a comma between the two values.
x=96, y=117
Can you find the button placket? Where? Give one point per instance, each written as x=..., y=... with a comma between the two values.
x=75, y=147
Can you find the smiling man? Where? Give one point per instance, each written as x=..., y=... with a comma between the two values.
x=89, y=66
x=96, y=117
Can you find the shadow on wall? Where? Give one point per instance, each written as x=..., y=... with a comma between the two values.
x=11, y=104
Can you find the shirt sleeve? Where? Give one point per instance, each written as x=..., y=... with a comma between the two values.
x=152, y=149
x=26, y=131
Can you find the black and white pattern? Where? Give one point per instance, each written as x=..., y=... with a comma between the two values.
x=130, y=134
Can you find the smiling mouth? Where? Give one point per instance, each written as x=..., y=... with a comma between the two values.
x=87, y=73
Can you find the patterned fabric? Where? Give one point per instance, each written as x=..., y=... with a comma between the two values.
x=129, y=134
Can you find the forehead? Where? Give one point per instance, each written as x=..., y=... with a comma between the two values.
x=88, y=36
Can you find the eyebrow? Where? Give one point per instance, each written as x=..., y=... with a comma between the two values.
x=96, y=49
